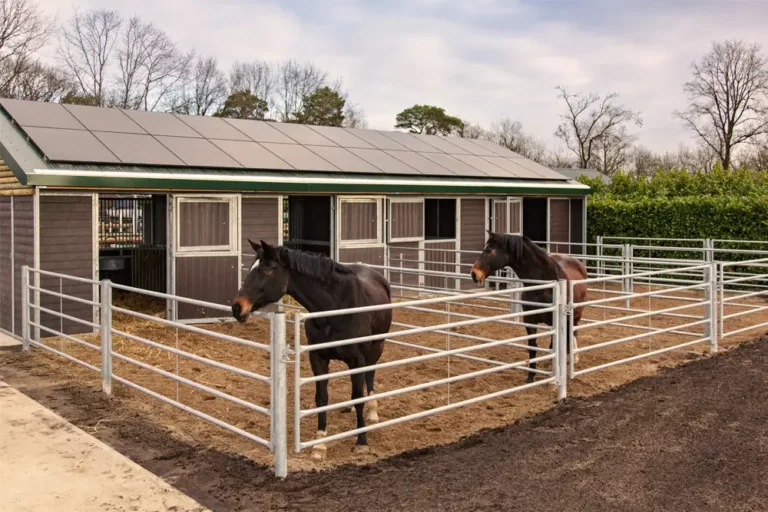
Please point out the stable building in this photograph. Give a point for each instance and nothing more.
(166, 202)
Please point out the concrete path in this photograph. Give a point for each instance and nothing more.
(8, 342)
(48, 464)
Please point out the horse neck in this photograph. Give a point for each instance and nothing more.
(534, 266)
(312, 293)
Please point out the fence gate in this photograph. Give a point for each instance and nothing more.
(206, 252)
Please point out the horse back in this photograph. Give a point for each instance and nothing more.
(575, 270)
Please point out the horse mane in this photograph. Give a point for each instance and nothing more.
(313, 265)
(518, 245)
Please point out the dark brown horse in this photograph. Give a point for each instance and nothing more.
(529, 261)
(320, 284)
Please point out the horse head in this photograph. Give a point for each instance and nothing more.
(499, 252)
(266, 282)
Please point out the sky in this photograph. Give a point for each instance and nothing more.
(479, 59)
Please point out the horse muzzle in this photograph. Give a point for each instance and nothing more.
(241, 309)
(478, 275)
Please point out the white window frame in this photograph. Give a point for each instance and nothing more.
(509, 201)
(233, 248)
(372, 242)
(391, 201)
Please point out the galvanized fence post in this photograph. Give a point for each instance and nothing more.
(713, 306)
(279, 383)
(627, 283)
(562, 308)
(25, 308)
(106, 336)
(599, 253)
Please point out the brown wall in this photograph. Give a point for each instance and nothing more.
(369, 255)
(66, 247)
(23, 247)
(405, 255)
(208, 278)
(259, 222)
(440, 261)
(6, 304)
(472, 234)
(559, 225)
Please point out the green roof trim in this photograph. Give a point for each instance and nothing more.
(172, 179)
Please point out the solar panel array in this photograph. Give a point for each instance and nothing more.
(82, 134)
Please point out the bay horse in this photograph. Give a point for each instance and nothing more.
(321, 284)
(529, 261)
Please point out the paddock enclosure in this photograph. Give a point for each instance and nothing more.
(125, 234)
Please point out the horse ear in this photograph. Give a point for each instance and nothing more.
(492, 235)
(269, 251)
(256, 247)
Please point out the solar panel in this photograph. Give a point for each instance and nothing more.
(198, 152)
(300, 157)
(421, 164)
(514, 169)
(457, 167)
(470, 146)
(410, 142)
(343, 159)
(340, 136)
(133, 148)
(213, 128)
(71, 145)
(497, 149)
(157, 123)
(251, 155)
(104, 119)
(303, 134)
(483, 165)
(41, 114)
(388, 164)
(259, 131)
(376, 139)
(441, 143)
(545, 172)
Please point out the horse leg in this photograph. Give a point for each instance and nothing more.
(320, 367)
(357, 392)
(531, 353)
(371, 358)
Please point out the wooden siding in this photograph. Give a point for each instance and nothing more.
(515, 216)
(66, 247)
(204, 223)
(358, 221)
(6, 270)
(404, 255)
(500, 216)
(472, 235)
(406, 220)
(559, 225)
(440, 261)
(577, 225)
(23, 248)
(208, 278)
(259, 221)
(369, 255)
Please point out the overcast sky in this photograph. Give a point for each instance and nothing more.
(479, 59)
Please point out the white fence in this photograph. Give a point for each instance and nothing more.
(655, 305)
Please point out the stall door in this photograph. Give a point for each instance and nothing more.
(405, 236)
(506, 216)
(559, 225)
(360, 222)
(206, 253)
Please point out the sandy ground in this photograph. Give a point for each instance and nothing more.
(434, 430)
(47, 464)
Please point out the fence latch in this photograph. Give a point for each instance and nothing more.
(566, 309)
(285, 356)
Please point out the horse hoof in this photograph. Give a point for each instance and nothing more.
(361, 448)
(373, 417)
(318, 452)
(529, 379)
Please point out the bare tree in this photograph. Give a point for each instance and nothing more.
(130, 57)
(295, 81)
(728, 97)
(613, 150)
(38, 82)
(165, 68)
(589, 120)
(23, 31)
(469, 130)
(87, 48)
(510, 134)
(257, 77)
(209, 87)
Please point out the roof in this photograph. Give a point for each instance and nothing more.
(50, 144)
(589, 173)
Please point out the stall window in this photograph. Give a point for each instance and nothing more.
(439, 219)
(360, 221)
(206, 225)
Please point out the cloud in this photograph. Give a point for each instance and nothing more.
(480, 60)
